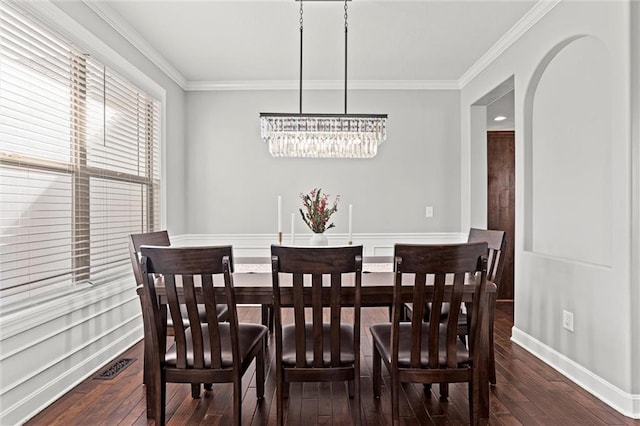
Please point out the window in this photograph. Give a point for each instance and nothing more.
(79, 164)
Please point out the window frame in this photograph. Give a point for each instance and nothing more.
(81, 39)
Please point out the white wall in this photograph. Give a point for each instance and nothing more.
(634, 79)
(233, 182)
(574, 212)
(51, 347)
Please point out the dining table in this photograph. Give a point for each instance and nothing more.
(377, 287)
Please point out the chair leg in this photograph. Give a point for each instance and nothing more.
(377, 373)
(267, 316)
(237, 400)
(271, 319)
(356, 400)
(352, 387)
(463, 339)
(444, 392)
(208, 386)
(492, 359)
(260, 371)
(160, 411)
(156, 398)
(280, 400)
(474, 416)
(395, 399)
(195, 390)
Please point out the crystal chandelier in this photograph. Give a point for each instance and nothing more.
(323, 135)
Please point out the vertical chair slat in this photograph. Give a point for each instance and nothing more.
(299, 319)
(233, 322)
(194, 326)
(335, 318)
(439, 281)
(317, 323)
(176, 317)
(452, 319)
(397, 301)
(416, 329)
(356, 327)
(210, 303)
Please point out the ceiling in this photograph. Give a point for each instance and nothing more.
(419, 43)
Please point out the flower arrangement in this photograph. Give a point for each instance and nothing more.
(317, 209)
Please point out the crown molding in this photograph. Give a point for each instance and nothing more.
(112, 18)
(537, 12)
(322, 85)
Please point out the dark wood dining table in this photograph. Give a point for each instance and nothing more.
(256, 288)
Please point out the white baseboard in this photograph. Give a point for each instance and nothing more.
(56, 346)
(626, 403)
(257, 245)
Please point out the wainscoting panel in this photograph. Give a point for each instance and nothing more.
(258, 245)
(48, 349)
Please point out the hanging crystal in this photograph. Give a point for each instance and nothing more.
(323, 135)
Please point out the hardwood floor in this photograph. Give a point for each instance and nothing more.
(528, 393)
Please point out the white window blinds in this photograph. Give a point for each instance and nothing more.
(79, 164)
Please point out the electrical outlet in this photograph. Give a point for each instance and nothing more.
(567, 320)
(429, 211)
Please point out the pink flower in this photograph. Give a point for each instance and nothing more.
(317, 214)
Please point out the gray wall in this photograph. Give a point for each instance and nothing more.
(576, 222)
(233, 182)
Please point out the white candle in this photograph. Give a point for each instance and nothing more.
(293, 216)
(350, 221)
(279, 213)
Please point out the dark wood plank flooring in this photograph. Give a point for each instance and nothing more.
(528, 393)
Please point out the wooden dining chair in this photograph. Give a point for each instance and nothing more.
(319, 348)
(422, 351)
(161, 238)
(497, 243)
(212, 351)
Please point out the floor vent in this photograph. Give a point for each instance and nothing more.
(115, 368)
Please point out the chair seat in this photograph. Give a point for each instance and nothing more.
(382, 336)
(346, 345)
(444, 312)
(249, 335)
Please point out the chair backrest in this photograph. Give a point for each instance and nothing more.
(319, 267)
(158, 238)
(497, 242)
(189, 276)
(447, 268)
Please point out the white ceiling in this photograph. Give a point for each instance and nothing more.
(208, 43)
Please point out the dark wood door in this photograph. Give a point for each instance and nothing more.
(501, 197)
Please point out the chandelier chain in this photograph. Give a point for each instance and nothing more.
(346, 31)
(346, 15)
(300, 87)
